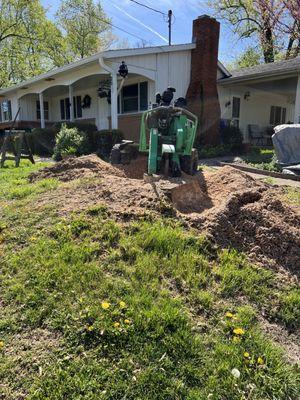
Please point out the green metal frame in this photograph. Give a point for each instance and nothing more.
(181, 134)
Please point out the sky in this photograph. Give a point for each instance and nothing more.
(152, 27)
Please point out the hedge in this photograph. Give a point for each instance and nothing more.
(104, 140)
(42, 141)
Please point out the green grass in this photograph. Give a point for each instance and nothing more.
(293, 195)
(14, 183)
(261, 158)
(165, 333)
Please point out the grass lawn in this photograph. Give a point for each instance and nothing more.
(261, 158)
(97, 308)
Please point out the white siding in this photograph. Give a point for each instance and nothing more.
(255, 110)
(173, 69)
(87, 113)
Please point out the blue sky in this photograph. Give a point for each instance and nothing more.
(152, 27)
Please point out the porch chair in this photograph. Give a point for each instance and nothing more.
(256, 135)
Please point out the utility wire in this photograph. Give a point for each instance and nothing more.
(121, 29)
(149, 8)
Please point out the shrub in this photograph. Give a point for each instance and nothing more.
(70, 141)
(85, 127)
(104, 140)
(88, 128)
(232, 143)
(214, 151)
(1, 137)
(42, 141)
(232, 136)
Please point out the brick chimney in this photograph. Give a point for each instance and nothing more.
(202, 94)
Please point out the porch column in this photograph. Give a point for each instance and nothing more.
(297, 103)
(71, 92)
(114, 93)
(41, 100)
(114, 101)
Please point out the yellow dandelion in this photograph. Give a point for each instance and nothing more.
(105, 305)
(246, 354)
(1, 344)
(260, 361)
(238, 331)
(33, 238)
(117, 325)
(127, 321)
(122, 304)
(236, 339)
(90, 328)
(229, 315)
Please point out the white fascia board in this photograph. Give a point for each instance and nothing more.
(259, 76)
(147, 50)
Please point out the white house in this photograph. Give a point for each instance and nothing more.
(263, 96)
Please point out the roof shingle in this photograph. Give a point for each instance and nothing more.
(278, 67)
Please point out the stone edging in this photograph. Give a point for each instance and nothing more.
(242, 167)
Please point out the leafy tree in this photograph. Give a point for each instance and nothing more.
(289, 24)
(29, 43)
(86, 26)
(275, 23)
(250, 58)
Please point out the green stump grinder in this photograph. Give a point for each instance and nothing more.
(167, 135)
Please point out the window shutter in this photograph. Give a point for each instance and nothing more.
(67, 104)
(283, 119)
(62, 109)
(143, 96)
(9, 110)
(38, 110)
(272, 115)
(78, 107)
(74, 108)
(277, 115)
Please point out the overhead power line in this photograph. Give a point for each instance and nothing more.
(169, 16)
(121, 29)
(149, 8)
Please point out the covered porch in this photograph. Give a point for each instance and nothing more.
(97, 96)
(91, 103)
(256, 105)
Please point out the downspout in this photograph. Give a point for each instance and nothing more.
(114, 93)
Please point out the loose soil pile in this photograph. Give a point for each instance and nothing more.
(230, 206)
(89, 166)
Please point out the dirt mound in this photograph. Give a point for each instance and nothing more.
(250, 216)
(88, 166)
(232, 207)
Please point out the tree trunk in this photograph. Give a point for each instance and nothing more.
(268, 44)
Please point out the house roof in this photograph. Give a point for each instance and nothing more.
(279, 68)
(108, 54)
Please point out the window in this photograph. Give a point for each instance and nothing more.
(277, 115)
(6, 109)
(134, 98)
(65, 108)
(46, 110)
(236, 105)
